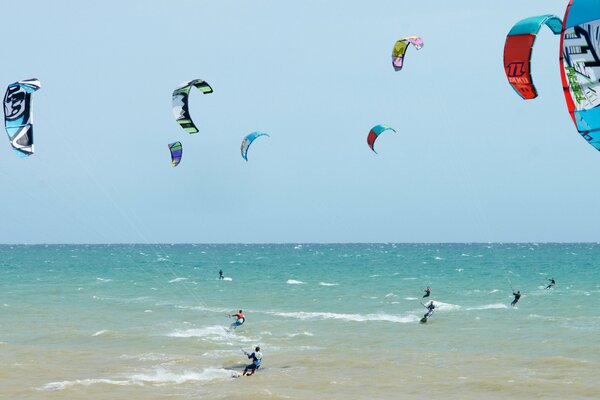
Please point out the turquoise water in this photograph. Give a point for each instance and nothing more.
(334, 321)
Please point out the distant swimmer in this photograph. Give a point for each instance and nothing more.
(221, 274)
(552, 283)
(256, 358)
(430, 307)
(517, 297)
(239, 319)
(427, 292)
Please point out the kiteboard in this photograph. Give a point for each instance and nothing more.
(423, 320)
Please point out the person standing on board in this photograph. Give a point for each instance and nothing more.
(240, 319)
(552, 283)
(427, 292)
(517, 297)
(221, 274)
(256, 358)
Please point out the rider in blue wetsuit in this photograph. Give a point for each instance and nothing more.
(256, 358)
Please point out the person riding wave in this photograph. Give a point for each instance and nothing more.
(430, 307)
(552, 283)
(240, 319)
(427, 292)
(256, 358)
(517, 297)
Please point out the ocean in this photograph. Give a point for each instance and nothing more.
(334, 321)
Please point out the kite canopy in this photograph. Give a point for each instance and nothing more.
(374, 134)
(18, 118)
(518, 48)
(580, 72)
(400, 50)
(176, 152)
(180, 103)
(248, 141)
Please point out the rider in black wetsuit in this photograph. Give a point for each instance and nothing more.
(430, 307)
(552, 283)
(427, 292)
(517, 297)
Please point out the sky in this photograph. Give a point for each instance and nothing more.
(470, 162)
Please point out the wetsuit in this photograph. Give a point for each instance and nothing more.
(430, 309)
(240, 319)
(517, 297)
(221, 274)
(552, 283)
(427, 292)
(256, 359)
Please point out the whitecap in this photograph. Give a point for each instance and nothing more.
(438, 258)
(347, 317)
(300, 334)
(177, 280)
(227, 278)
(102, 332)
(103, 280)
(488, 307)
(410, 298)
(55, 386)
(163, 376)
(294, 282)
(328, 284)
(216, 333)
(446, 306)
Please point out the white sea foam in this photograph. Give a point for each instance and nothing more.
(55, 386)
(157, 377)
(164, 376)
(145, 357)
(494, 291)
(409, 279)
(103, 280)
(488, 307)
(438, 258)
(216, 333)
(102, 332)
(328, 284)
(410, 298)
(299, 334)
(446, 306)
(346, 317)
(227, 278)
(294, 282)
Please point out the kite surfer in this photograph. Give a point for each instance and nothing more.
(427, 292)
(240, 319)
(430, 307)
(552, 283)
(221, 274)
(256, 358)
(517, 297)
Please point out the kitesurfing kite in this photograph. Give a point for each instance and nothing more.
(580, 72)
(180, 103)
(400, 50)
(18, 118)
(248, 141)
(374, 134)
(176, 151)
(517, 52)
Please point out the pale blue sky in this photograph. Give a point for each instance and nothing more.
(471, 161)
